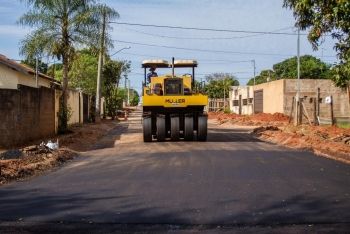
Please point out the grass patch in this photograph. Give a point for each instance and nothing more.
(343, 125)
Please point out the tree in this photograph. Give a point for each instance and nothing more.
(84, 71)
(263, 77)
(219, 84)
(134, 97)
(31, 62)
(327, 17)
(310, 68)
(60, 26)
(55, 71)
(112, 73)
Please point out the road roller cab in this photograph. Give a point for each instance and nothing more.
(172, 107)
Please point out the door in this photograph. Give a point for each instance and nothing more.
(258, 101)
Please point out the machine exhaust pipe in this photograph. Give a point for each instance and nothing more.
(173, 67)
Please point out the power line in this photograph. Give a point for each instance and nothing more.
(202, 38)
(204, 29)
(210, 51)
(203, 50)
(198, 59)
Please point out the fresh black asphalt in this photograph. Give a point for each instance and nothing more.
(231, 182)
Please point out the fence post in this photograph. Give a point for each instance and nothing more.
(332, 111)
(300, 112)
(318, 102)
(315, 112)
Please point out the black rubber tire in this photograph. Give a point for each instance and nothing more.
(147, 129)
(175, 128)
(188, 128)
(202, 128)
(161, 128)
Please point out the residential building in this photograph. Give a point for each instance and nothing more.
(13, 74)
(277, 96)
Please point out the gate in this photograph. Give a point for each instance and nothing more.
(258, 101)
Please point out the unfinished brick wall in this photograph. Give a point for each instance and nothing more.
(309, 88)
(26, 114)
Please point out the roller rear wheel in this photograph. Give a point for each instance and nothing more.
(161, 132)
(147, 129)
(188, 128)
(202, 128)
(175, 128)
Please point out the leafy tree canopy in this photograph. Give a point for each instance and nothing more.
(134, 97)
(327, 17)
(263, 77)
(31, 62)
(219, 84)
(310, 68)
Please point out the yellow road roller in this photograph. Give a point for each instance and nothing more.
(172, 107)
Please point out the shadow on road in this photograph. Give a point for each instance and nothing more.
(230, 135)
(67, 214)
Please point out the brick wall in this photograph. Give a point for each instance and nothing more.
(26, 114)
(309, 88)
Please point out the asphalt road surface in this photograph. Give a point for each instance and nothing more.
(232, 182)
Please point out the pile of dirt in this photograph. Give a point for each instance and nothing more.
(31, 161)
(26, 161)
(82, 138)
(255, 120)
(328, 141)
(331, 142)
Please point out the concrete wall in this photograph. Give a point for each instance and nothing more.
(308, 90)
(278, 97)
(74, 105)
(26, 114)
(9, 79)
(273, 96)
(245, 103)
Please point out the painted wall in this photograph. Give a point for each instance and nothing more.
(273, 96)
(246, 92)
(9, 79)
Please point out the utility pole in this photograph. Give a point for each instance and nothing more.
(224, 83)
(253, 61)
(125, 101)
(99, 69)
(297, 99)
(128, 92)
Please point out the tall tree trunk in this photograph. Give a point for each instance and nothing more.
(64, 111)
(348, 91)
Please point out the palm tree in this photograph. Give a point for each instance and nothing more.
(60, 26)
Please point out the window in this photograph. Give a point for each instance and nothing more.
(235, 102)
(173, 86)
(245, 102)
(250, 100)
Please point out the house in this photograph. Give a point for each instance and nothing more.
(277, 96)
(241, 100)
(30, 107)
(13, 74)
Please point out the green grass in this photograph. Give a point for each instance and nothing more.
(343, 125)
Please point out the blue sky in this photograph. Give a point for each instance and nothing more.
(253, 15)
